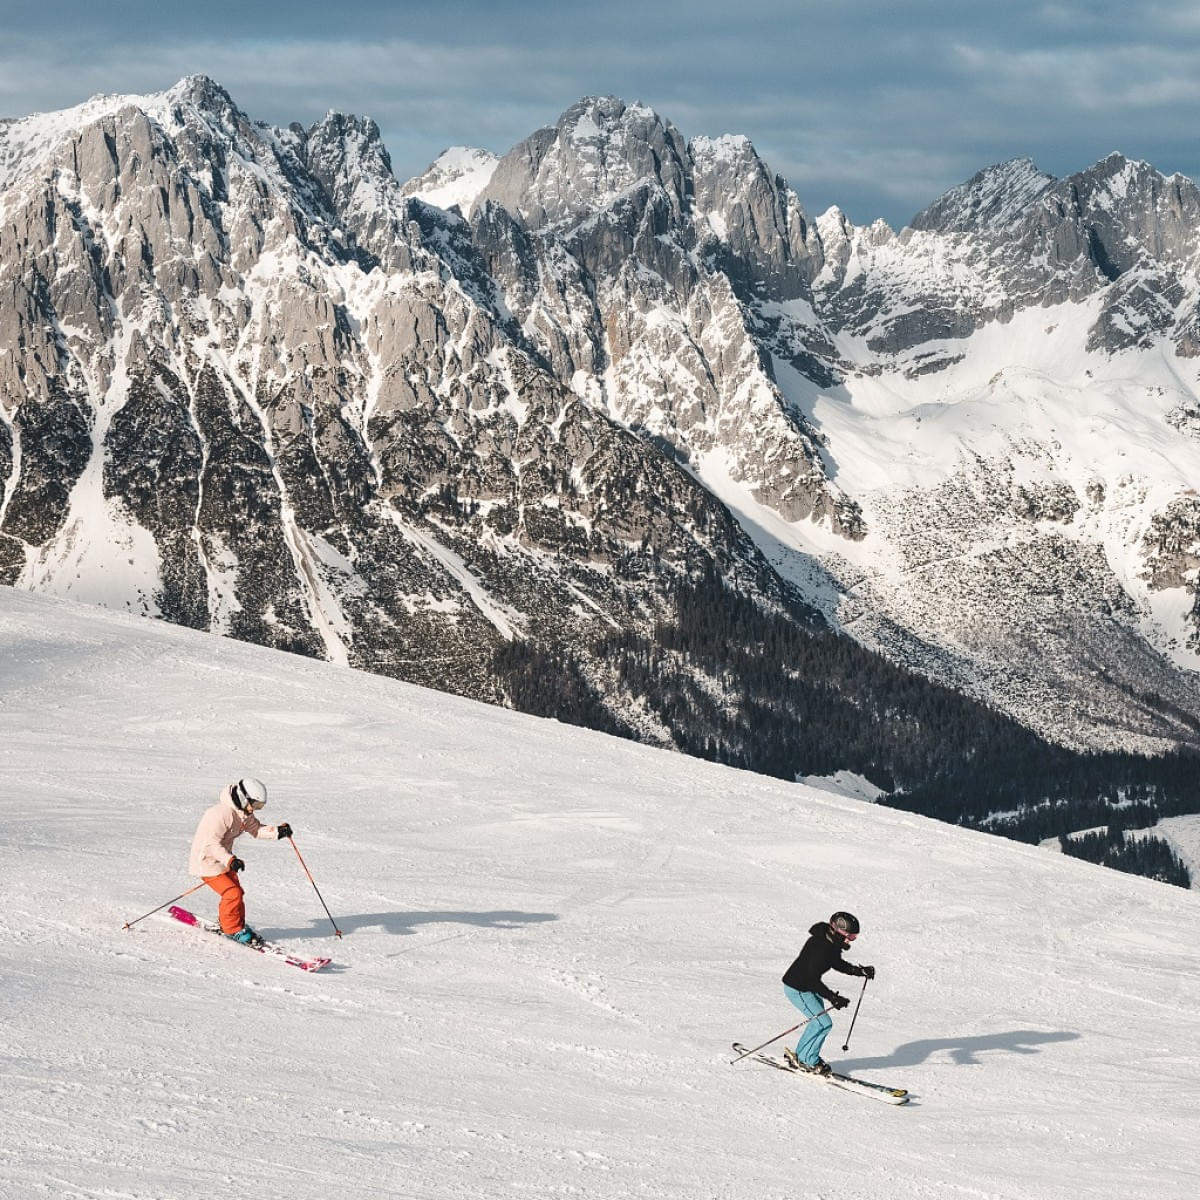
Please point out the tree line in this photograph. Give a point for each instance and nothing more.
(1147, 855)
(775, 690)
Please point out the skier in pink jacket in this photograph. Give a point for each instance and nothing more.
(213, 858)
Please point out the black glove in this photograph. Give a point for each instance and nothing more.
(867, 972)
(236, 864)
(838, 1001)
(285, 830)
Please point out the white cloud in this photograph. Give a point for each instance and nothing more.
(1113, 80)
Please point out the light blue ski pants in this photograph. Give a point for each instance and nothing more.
(812, 1035)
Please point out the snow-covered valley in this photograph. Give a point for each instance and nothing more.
(551, 938)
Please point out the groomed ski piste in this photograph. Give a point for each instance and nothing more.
(551, 939)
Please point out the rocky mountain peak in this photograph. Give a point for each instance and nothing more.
(346, 153)
(1135, 214)
(202, 116)
(204, 94)
(766, 244)
(998, 197)
(598, 150)
(358, 137)
(728, 148)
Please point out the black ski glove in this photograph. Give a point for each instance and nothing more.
(285, 830)
(838, 1002)
(867, 972)
(236, 864)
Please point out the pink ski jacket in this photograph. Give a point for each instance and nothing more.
(212, 847)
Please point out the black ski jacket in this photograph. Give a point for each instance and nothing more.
(822, 952)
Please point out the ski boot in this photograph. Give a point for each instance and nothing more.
(246, 936)
(820, 1067)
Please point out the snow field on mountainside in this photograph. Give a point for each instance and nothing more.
(551, 938)
(1183, 836)
(456, 176)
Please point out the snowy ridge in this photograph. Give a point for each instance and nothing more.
(455, 177)
(996, 199)
(27, 142)
(551, 938)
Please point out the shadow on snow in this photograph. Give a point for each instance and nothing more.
(410, 922)
(962, 1050)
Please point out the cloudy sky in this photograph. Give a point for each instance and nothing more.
(875, 105)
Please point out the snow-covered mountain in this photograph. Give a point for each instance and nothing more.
(250, 386)
(551, 939)
(251, 383)
(454, 179)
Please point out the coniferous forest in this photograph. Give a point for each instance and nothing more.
(778, 692)
(1149, 856)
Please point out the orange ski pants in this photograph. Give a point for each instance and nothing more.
(233, 900)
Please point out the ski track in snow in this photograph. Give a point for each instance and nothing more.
(551, 939)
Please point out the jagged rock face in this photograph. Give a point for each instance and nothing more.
(1120, 229)
(344, 153)
(599, 150)
(998, 198)
(664, 245)
(304, 387)
(315, 410)
(1136, 216)
(760, 235)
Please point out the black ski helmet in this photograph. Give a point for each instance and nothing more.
(844, 923)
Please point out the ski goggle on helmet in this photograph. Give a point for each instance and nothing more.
(249, 795)
(846, 924)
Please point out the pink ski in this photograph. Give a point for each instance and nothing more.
(305, 964)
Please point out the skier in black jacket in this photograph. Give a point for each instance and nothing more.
(803, 987)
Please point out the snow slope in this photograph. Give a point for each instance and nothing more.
(1183, 836)
(1051, 413)
(456, 176)
(551, 939)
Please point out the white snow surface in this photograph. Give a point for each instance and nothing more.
(551, 938)
(845, 783)
(1183, 836)
(456, 176)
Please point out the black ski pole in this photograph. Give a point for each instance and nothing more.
(855, 1017)
(130, 924)
(315, 888)
(777, 1037)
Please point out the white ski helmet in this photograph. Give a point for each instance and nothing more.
(248, 794)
